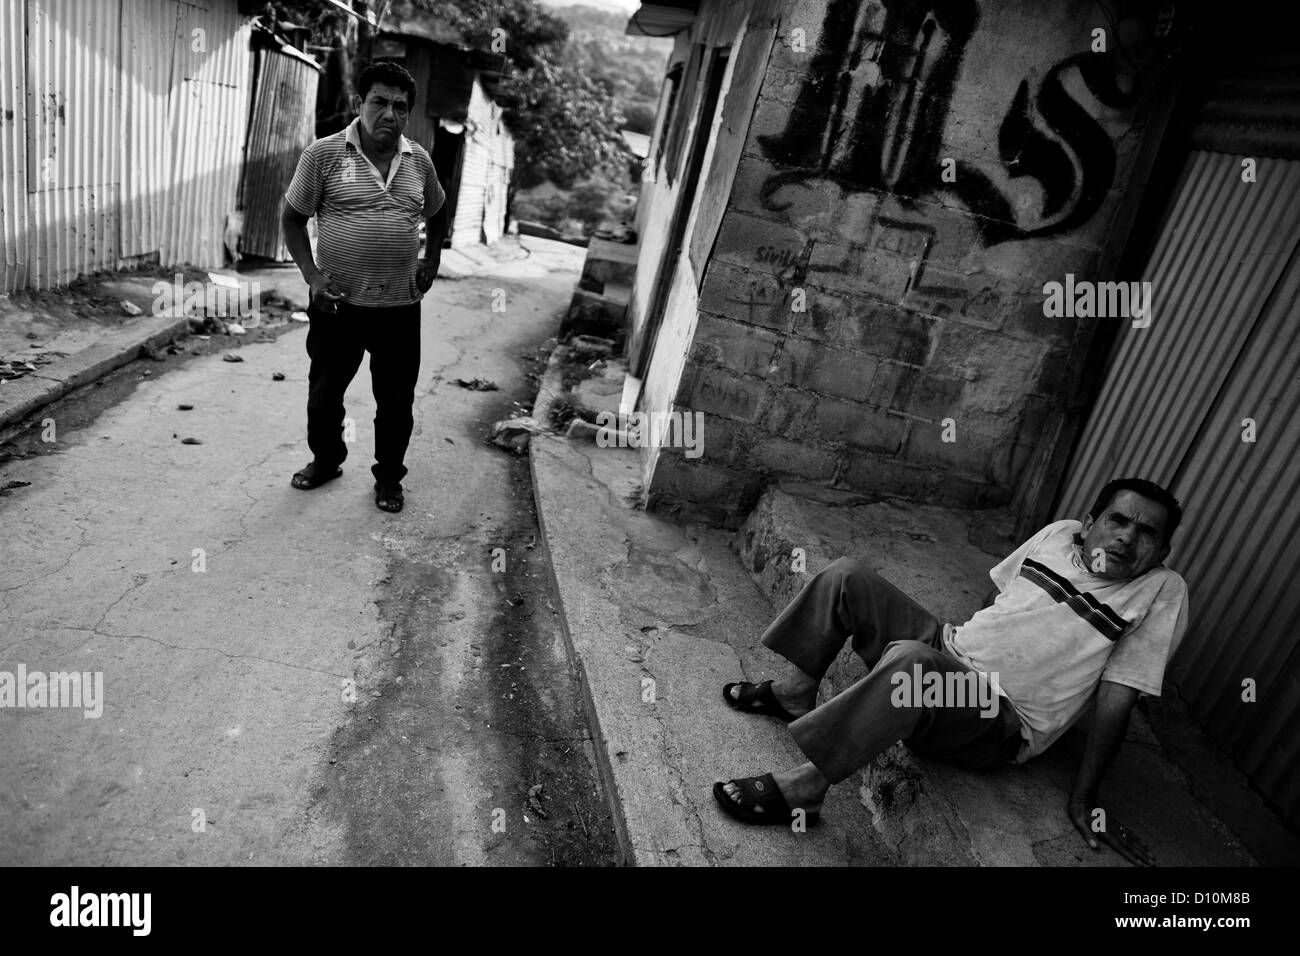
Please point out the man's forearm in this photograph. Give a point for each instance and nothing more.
(435, 230)
(299, 246)
(1105, 735)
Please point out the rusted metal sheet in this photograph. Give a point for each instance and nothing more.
(13, 146)
(148, 34)
(496, 180)
(1223, 348)
(467, 229)
(123, 131)
(282, 125)
(208, 117)
(72, 164)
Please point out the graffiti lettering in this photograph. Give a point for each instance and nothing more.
(873, 114)
(781, 257)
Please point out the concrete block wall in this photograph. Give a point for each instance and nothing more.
(876, 284)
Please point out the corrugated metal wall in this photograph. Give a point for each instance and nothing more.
(13, 146)
(208, 118)
(501, 161)
(1223, 346)
(148, 32)
(72, 167)
(127, 133)
(283, 124)
(487, 160)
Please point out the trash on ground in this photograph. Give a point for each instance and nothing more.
(277, 376)
(535, 800)
(190, 441)
(10, 485)
(231, 357)
(476, 384)
(234, 328)
(130, 308)
(10, 370)
(300, 316)
(513, 433)
(185, 408)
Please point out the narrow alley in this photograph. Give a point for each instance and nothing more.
(296, 677)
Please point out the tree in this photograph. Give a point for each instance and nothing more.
(565, 123)
(558, 104)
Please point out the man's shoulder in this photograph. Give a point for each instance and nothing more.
(1057, 532)
(327, 145)
(420, 155)
(1166, 583)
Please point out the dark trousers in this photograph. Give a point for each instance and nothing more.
(893, 635)
(335, 345)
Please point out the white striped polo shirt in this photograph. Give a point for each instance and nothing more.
(1056, 629)
(367, 230)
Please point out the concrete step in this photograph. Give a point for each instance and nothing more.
(929, 813)
(592, 313)
(608, 262)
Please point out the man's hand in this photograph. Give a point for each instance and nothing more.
(1113, 704)
(426, 270)
(1108, 831)
(325, 295)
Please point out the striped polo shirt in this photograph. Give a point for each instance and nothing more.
(1056, 629)
(367, 229)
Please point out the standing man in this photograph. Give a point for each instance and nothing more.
(368, 187)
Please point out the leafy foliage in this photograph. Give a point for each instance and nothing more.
(561, 110)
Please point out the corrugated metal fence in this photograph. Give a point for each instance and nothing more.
(283, 124)
(487, 161)
(1223, 347)
(123, 133)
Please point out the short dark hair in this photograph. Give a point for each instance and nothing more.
(390, 73)
(1147, 489)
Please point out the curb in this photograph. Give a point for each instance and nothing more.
(37, 390)
(548, 388)
(643, 598)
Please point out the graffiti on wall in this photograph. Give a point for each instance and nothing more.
(872, 115)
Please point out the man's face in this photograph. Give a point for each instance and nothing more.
(1130, 532)
(383, 113)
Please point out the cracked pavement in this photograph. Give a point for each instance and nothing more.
(296, 677)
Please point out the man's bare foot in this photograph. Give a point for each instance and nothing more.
(804, 788)
(797, 693)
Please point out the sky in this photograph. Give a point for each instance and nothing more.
(624, 6)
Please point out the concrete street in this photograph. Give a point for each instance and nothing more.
(297, 677)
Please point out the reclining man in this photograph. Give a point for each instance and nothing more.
(1083, 612)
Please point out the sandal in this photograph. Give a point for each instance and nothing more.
(757, 699)
(761, 792)
(388, 496)
(314, 475)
